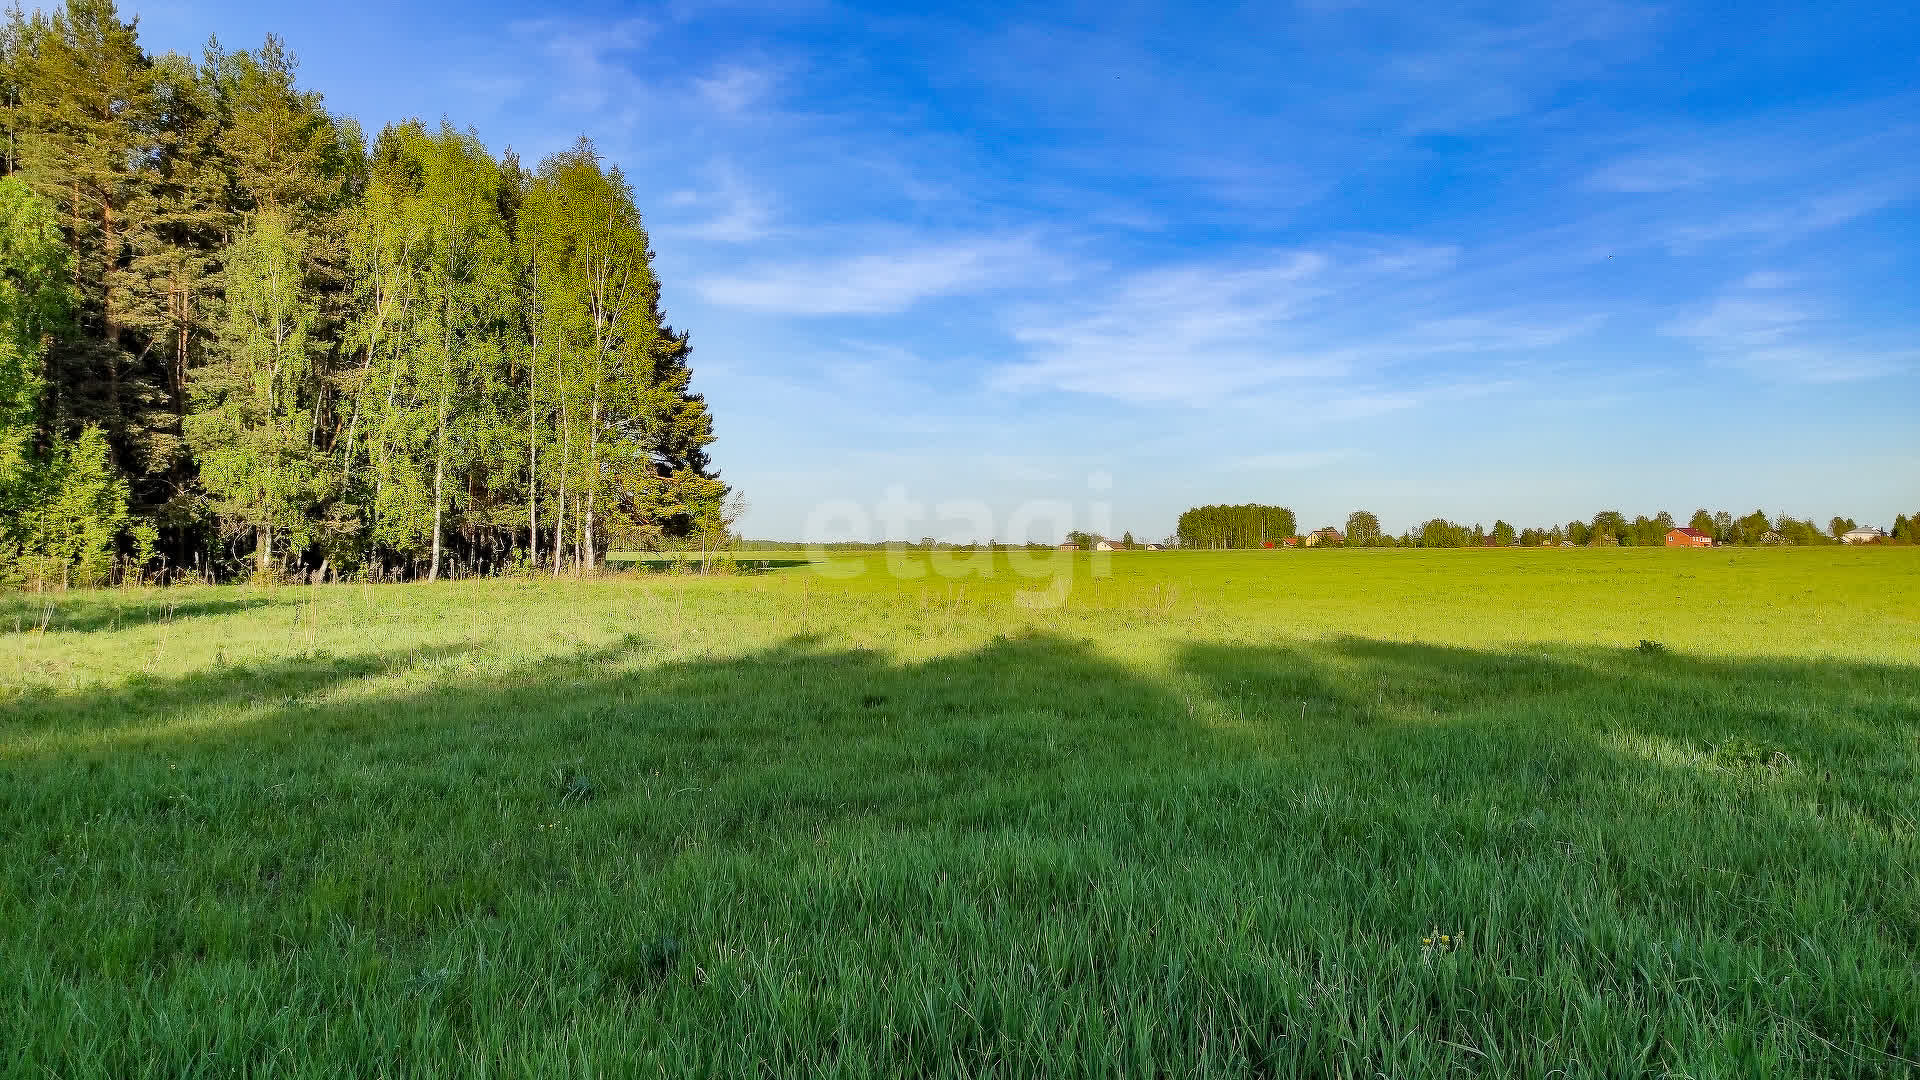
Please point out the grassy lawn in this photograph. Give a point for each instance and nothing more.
(1342, 813)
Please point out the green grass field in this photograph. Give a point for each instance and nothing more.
(1344, 813)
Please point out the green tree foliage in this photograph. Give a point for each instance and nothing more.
(1250, 525)
(283, 150)
(1503, 534)
(62, 514)
(1608, 527)
(436, 401)
(1799, 531)
(179, 224)
(35, 303)
(607, 377)
(1441, 533)
(1363, 529)
(61, 500)
(320, 356)
(85, 127)
(254, 426)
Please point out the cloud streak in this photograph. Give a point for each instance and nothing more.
(1325, 322)
(1781, 338)
(878, 283)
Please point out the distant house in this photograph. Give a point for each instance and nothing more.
(1150, 547)
(1107, 545)
(1772, 537)
(1328, 535)
(1068, 546)
(1865, 534)
(1688, 538)
(1291, 541)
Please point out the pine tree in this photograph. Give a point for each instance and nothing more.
(183, 222)
(86, 126)
(61, 503)
(283, 148)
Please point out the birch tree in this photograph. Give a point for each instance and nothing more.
(252, 428)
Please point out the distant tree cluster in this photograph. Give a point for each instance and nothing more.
(235, 336)
(1606, 528)
(1250, 525)
(1612, 528)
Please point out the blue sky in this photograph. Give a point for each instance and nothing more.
(1525, 261)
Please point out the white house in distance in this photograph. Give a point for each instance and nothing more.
(1107, 545)
(1865, 534)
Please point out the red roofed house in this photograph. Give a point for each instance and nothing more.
(1688, 538)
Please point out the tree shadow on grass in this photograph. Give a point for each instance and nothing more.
(1817, 730)
(1649, 691)
(142, 711)
(90, 610)
(1268, 826)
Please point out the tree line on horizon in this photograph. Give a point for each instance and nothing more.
(1244, 527)
(236, 336)
(1248, 525)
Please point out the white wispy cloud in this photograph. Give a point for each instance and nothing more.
(1784, 338)
(1499, 332)
(581, 56)
(735, 211)
(1480, 69)
(1743, 322)
(1653, 172)
(1208, 334)
(1184, 333)
(733, 87)
(1788, 218)
(882, 282)
(1767, 279)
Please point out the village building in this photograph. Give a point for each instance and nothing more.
(1685, 537)
(1865, 534)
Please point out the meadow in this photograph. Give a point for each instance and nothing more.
(1333, 813)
